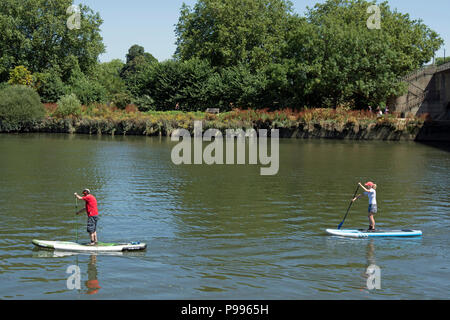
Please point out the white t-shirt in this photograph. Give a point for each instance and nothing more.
(372, 194)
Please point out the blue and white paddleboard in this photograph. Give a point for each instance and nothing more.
(374, 234)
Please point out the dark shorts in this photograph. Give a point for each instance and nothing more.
(92, 224)
(373, 208)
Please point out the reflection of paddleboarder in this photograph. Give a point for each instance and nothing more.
(372, 194)
(92, 212)
(92, 284)
(373, 272)
(371, 259)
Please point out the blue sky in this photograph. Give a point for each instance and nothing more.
(151, 23)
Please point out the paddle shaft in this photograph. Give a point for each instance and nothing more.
(348, 210)
(76, 224)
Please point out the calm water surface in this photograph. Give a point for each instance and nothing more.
(222, 232)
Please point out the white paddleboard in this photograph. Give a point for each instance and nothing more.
(374, 234)
(100, 247)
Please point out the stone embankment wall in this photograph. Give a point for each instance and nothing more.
(428, 93)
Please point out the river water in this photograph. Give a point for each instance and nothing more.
(222, 231)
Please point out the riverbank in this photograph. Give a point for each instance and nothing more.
(307, 124)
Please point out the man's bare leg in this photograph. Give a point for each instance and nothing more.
(93, 238)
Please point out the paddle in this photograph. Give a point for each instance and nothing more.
(351, 202)
(76, 223)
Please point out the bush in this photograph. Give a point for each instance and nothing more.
(86, 89)
(144, 103)
(20, 107)
(121, 100)
(20, 76)
(49, 86)
(68, 105)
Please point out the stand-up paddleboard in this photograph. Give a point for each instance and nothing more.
(100, 247)
(374, 234)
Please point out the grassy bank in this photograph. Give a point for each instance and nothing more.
(337, 123)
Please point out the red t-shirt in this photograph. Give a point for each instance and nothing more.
(91, 205)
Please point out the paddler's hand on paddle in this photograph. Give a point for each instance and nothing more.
(80, 211)
(77, 196)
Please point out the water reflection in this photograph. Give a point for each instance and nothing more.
(371, 259)
(92, 284)
(372, 272)
(441, 145)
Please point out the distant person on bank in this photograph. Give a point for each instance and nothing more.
(379, 112)
(371, 192)
(92, 213)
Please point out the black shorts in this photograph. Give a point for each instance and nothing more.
(92, 224)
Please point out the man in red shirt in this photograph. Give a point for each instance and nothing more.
(92, 213)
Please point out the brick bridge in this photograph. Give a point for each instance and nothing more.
(428, 92)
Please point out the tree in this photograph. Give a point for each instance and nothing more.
(237, 87)
(175, 83)
(108, 75)
(359, 65)
(35, 35)
(88, 90)
(441, 60)
(233, 32)
(302, 62)
(138, 64)
(137, 51)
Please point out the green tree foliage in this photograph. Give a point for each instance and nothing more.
(329, 57)
(177, 84)
(193, 85)
(441, 60)
(35, 34)
(20, 76)
(233, 32)
(138, 64)
(108, 75)
(20, 107)
(136, 57)
(87, 89)
(236, 86)
(359, 65)
(49, 85)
